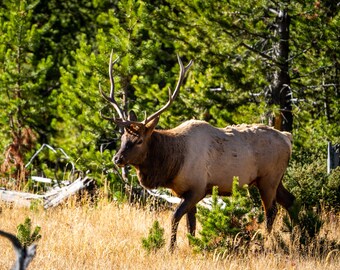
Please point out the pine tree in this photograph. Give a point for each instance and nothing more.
(256, 53)
(141, 78)
(230, 226)
(22, 83)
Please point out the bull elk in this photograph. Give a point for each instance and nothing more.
(193, 157)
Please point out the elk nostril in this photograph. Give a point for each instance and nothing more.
(116, 159)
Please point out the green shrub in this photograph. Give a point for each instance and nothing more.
(155, 239)
(312, 186)
(26, 235)
(304, 236)
(231, 226)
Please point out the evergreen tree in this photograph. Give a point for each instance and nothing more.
(231, 226)
(254, 50)
(82, 131)
(54, 54)
(22, 84)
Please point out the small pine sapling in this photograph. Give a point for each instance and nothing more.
(26, 235)
(155, 239)
(231, 226)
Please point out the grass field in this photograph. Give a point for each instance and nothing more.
(109, 235)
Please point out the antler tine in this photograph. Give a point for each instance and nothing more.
(172, 96)
(112, 88)
(121, 120)
(106, 117)
(111, 98)
(183, 71)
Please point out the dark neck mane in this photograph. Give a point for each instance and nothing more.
(163, 161)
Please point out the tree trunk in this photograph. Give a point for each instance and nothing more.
(280, 85)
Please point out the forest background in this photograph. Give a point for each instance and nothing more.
(272, 62)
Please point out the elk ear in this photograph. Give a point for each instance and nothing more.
(132, 116)
(152, 124)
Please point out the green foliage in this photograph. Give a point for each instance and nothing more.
(307, 226)
(155, 239)
(310, 137)
(23, 73)
(305, 236)
(229, 227)
(23, 82)
(26, 235)
(315, 191)
(311, 184)
(310, 225)
(54, 53)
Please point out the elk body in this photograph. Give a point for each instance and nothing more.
(192, 158)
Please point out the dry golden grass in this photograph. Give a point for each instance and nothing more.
(108, 236)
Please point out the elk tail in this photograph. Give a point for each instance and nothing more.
(288, 136)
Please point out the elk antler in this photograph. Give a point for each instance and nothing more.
(24, 254)
(172, 96)
(122, 121)
(111, 98)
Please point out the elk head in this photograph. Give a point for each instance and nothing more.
(136, 136)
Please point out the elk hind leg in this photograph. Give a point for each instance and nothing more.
(191, 220)
(284, 197)
(268, 194)
(287, 200)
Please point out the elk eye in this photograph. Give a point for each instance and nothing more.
(139, 142)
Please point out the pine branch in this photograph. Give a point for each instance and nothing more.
(266, 56)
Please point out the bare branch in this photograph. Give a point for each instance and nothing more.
(259, 53)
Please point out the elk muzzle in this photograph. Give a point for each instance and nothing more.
(119, 160)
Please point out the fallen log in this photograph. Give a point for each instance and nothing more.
(205, 202)
(65, 192)
(52, 198)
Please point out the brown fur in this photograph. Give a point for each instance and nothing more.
(163, 161)
(195, 156)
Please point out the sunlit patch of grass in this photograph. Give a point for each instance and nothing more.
(108, 236)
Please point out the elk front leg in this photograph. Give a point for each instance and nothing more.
(187, 206)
